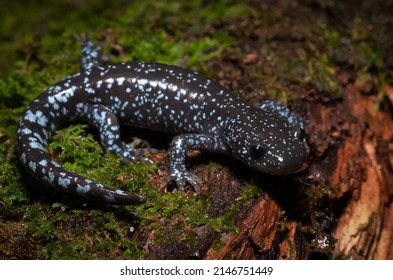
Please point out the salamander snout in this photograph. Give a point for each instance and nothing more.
(276, 158)
(275, 147)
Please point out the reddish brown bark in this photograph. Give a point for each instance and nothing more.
(258, 229)
(365, 229)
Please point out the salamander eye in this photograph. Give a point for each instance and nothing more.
(257, 152)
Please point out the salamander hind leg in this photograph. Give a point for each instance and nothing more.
(91, 54)
(106, 122)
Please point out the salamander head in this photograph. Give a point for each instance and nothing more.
(267, 142)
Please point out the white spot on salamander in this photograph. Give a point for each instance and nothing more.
(37, 117)
(82, 188)
(43, 163)
(64, 182)
(120, 81)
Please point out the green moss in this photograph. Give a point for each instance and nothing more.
(40, 223)
(314, 67)
(11, 191)
(64, 251)
(176, 209)
(78, 151)
(212, 167)
(58, 234)
(227, 222)
(250, 192)
(157, 31)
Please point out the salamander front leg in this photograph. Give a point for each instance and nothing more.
(180, 145)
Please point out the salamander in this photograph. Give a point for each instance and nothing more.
(197, 111)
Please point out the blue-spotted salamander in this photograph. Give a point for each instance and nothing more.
(202, 114)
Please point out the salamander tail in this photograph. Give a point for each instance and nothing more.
(33, 154)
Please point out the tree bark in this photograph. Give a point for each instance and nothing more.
(365, 229)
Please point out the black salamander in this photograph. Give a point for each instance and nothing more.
(201, 114)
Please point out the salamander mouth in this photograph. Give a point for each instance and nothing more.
(285, 170)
